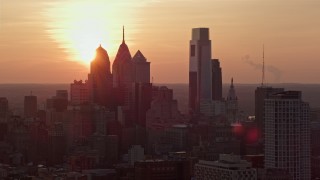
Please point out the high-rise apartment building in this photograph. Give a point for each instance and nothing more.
(287, 134)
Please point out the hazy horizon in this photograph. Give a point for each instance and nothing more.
(245, 92)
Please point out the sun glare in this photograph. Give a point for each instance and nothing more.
(79, 27)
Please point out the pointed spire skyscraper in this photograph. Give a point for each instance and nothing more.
(121, 67)
(122, 72)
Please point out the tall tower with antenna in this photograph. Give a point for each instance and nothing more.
(263, 68)
(261, 93)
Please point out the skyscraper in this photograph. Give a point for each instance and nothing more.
(141, 68)
(200, 69)
(262, 93)
(100, 79)
(122, 73)
(287, 134)
(216, 80)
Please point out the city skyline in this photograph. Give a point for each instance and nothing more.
(147, 97)
(54, 46)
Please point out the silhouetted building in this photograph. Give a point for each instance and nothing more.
(100, 118)
(232, 105)
(4, 115)
(100, 79)
(177, 137)
(163, 170)
(216, 80)
(57, 144)
(141, 68)
(62, 94)
(315, 114)
(315, 140)
(141, 89)
(112, 152)
(221, 138)
(4, 107)
(78, 122)
(127, 138)
(213, 109)
(122, 69)
(287, 134)
(59, 102)
(200, 69)
(30, 106)
(163, 112)
(79, 92)
(262, 93)
(315, 167)
(38, 141)
(140, 102)
(19, 136)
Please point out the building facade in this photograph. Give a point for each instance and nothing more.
(227, 167)
(287, 134)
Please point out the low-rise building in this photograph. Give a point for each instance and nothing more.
(227, 167)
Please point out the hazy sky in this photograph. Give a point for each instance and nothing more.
(46, 42)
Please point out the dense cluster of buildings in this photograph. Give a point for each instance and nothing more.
(118, 125)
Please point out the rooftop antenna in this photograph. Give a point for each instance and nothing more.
(122, 34)
(263, 68)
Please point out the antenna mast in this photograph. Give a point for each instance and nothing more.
(263, 71)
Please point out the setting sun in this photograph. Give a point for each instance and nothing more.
(79, 27)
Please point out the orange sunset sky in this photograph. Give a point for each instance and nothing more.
(46, 41)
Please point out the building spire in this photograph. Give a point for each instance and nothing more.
(263, 70)
(123, 34)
